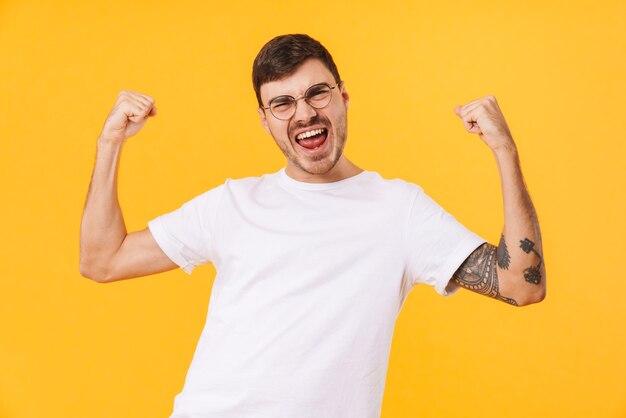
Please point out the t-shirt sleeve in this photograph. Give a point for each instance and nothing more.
(186, 235)
(437, 244)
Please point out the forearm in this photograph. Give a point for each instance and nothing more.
(520, 254)
(102, 228)
(518, 274)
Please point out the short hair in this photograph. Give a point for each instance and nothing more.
(281, 57)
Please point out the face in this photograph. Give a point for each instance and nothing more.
(312, 139)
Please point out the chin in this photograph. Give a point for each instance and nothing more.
(321, 166)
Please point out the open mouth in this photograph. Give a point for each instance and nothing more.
(312, 139)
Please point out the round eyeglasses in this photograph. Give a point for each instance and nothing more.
(318, 96)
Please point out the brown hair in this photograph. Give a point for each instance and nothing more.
(283, 55)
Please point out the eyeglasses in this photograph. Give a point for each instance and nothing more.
(318, 96)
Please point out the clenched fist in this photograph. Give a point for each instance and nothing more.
(129, 114)
(484, 117)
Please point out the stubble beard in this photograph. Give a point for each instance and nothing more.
(324, 163)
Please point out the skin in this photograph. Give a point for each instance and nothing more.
(107, 252)
(324, 167)
(513, 272)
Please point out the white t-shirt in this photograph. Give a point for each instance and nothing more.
(310, 280)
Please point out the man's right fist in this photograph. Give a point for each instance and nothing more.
(130, 113)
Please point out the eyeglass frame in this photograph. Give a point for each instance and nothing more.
(295, 100)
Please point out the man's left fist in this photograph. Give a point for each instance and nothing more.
(484, 117)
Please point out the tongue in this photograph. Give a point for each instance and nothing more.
(312, 142)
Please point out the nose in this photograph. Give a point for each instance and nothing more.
(304, 111)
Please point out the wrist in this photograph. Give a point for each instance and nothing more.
(508, 150)
(105, 143)
(108, 150)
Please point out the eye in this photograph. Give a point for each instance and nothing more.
(281, 103)
(318, 92)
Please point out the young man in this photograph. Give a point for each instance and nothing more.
(313, 262)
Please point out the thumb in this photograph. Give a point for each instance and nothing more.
(457, 110)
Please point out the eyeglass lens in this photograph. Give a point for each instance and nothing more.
(317, 96)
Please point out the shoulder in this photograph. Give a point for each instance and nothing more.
(394, 187)
(410, 195)
(250, 184)
(234, 184)
(213, 195)
(250, 181)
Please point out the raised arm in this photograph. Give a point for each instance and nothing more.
(107, 252)
(514, 271)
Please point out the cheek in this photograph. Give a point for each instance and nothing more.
(339, 121)
(279, 133)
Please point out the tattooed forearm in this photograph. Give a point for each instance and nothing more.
(532, 274)
(502, 254)
(478, 273)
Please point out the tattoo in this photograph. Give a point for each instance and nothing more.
(478, 273)
(527, 246)
(533, 273)
(502, 254)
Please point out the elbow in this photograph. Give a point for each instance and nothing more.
(526, 291)
(89, 271)
(541, 295)
(531, 298)
(538, 293)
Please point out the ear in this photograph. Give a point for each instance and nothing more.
(344, 94)
(264, 120)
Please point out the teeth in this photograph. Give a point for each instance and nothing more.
(309, 134)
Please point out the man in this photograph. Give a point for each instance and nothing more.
(313, 262)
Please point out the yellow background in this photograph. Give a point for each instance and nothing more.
(70, 347)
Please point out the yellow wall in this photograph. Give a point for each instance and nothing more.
(72, 348)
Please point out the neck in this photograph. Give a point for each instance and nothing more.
(342, 170)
